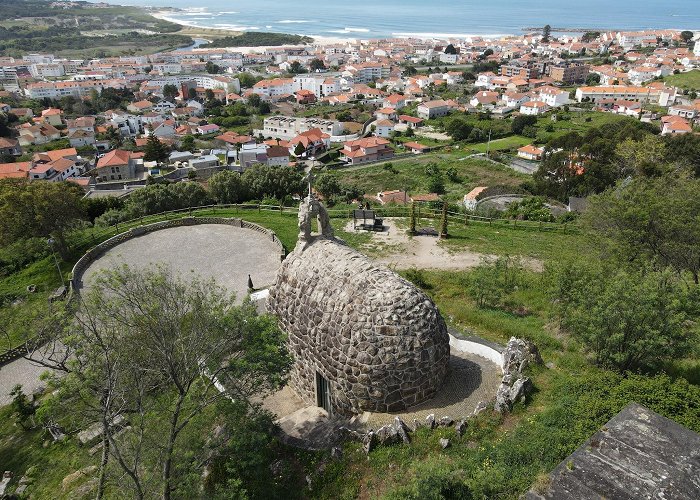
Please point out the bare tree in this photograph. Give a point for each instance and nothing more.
(145, 342)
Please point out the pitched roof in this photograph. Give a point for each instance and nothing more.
(114, 158)
(15, 170)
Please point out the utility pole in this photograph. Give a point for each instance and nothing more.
(488, 146)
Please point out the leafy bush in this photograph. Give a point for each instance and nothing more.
(491, 282)
(532, 208)
(629, 320)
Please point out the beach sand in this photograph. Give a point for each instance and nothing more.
(197, 31)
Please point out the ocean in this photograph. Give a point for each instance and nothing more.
(428, 18)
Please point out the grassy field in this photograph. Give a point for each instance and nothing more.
(502, 457)
(497, 456)
(505, 144)
(20, 450)
(688, 80)
(409, 174)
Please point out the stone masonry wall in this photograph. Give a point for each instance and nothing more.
(379, 341)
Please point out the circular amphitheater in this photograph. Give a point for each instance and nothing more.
(227, 250)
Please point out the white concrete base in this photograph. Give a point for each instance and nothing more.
(479, 349)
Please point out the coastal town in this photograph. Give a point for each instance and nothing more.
(239, 263)
(302, 96)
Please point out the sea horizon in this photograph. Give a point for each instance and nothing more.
(368, 19)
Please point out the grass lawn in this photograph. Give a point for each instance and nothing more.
(507, 143)
(497, 457)
(409, 174)
(509, 240)
(688, 80)
(502, 457)
(579, 122)
(20, 450)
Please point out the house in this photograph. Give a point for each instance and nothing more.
(116, 165)
(366, 150)
(163, 107)
(472, 197)
(85, 123)
(81, 138)
(395, 196)
(18, 170)
(385, 114)
(530, 152)
(304, 96)
(38, 134)
(43, 172)
(484, 98)
(383, 128)
(140, 106)
(309, 143)
(208, 129)
(234, 139)
(433, 109)
(204, 162)
(52, 116)
(410, 121)
(163, 129)
(10, 147)
(288, 127)
(396, 101)
(56, 154)
(675, 125)
(416, 147)
(533, 108)
(277, 156)
(552, 96)
(513, 100)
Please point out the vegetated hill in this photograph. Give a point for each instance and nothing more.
(255, 39)
(36, 25)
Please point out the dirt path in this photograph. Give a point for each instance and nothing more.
(400, 251)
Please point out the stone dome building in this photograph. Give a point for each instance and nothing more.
(362, 337)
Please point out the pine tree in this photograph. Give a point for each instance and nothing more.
(155, 150)
(546, 33)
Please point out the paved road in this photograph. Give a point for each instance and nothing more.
(22, 372)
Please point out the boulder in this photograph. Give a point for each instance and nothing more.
(430, 421)
(480, 408)
(520, 389)
(444, 443)
(461, 427)
(402, 430)
(446, 421)
(71, 478)
(370, 441)
(336, 453)
(517, 356)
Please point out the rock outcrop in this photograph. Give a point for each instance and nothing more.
(518, 355)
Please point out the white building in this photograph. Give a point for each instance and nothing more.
(534, 108)
(320, 85)
(383, 128)
(288, 127)
(433, 109)
(553, 97)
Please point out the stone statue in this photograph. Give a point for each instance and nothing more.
(309, 208)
